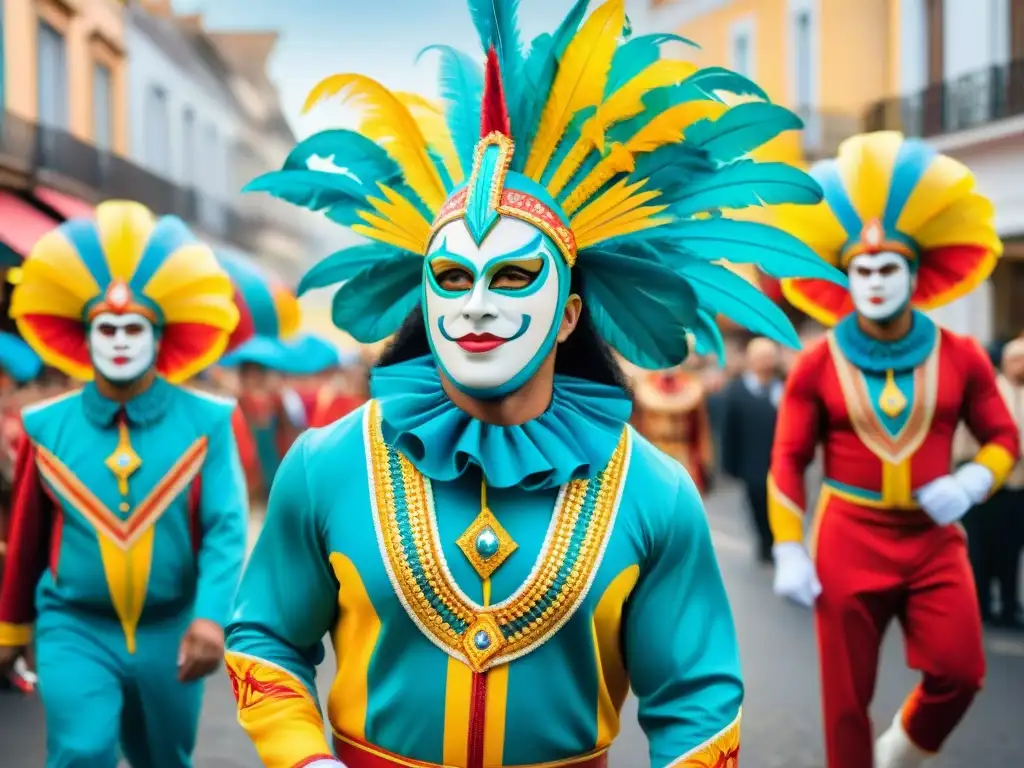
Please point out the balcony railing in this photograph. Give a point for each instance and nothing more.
(36, 149)
(970, 101)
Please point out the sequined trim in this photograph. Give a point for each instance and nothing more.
(508, 202)
(720, 751)
(485, 637)
(893, 449)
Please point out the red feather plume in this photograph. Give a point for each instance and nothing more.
(494, 111)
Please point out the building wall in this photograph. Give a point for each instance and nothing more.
(853, 59)
(192, 160)
(93, 31)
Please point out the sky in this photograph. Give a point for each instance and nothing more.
(378, 38)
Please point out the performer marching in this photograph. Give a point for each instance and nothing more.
(883, 393)
(129, 507)
(472, 537)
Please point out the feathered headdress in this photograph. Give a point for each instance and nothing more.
(887, 193)
(124, 260)
(267, 307)
(624, 159)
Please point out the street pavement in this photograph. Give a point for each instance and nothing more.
(781, 723)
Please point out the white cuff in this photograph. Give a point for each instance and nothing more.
(977, 480)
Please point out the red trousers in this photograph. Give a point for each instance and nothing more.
(874, 566)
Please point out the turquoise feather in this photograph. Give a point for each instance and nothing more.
(708, 336)
(747, 183)
(635, 56)
(462, 87)
(722, 292)
(374, 303)
(566, 143)
(358, 155)
(741, 130)
(538, 75)
(775, 252)
(639, 307)
(672, 169)
(344, 264)
(442, 171)
(712, 79)
(497, 25)
(315, 190)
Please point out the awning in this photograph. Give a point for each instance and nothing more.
(68, 206)
(21, 224)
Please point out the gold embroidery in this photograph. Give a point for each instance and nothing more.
(124, 461)
(486, 543)
(486, 637)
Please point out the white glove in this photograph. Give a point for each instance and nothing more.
(795, 577)
(944, 499)
(325, 763)
(976, 480)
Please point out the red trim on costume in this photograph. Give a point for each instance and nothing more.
(195, 522)
(477, 721)
(28, 546)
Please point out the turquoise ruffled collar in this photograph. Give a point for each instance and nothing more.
(876, 356)
(573, 439)
(147, 408)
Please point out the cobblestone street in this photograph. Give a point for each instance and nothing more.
(781, 729)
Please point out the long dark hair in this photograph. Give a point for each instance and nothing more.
(583, 355)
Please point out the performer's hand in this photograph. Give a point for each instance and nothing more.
(977, 480)
(795, 577)
(944, 499)
(201, 652)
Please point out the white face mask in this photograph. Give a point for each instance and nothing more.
(880, 284)
(493, 310)
(123, 347)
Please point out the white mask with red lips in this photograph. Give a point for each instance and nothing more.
(122, 346)
(881, 285)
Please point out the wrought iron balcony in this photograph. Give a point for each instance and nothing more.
(970, 101)
(63, 160)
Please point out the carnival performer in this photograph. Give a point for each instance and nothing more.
(129, 528)
(883, 393)
(670, 410)
(472, 536)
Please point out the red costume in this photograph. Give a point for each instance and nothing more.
(885, 414)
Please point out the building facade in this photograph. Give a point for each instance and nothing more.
(187, 119)
(961, 87)
(66, 68)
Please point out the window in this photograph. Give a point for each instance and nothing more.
(743, 47)
(214, 161)
(157, 145)
(803, 63)
(188, 147)
(53, 77)
(741, 54)
(102, 106)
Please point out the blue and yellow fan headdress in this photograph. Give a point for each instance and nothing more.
(267, 307)
(124, 260)
(887, 193)
(624, 159)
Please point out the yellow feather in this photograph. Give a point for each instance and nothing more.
(404, 217)
(815, 225)
(579, 82)
(944, 182)
(969, 221)
(616, 194)
(430, 118)
(407, 146)
(624, 104)
(638, 220)
(666, 128)
(865, 164)
(124, 229)
(384, 230)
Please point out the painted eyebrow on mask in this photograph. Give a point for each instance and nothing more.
(521, 257)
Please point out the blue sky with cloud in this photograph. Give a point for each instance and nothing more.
(379, 38)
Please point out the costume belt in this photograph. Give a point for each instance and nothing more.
(355, 754)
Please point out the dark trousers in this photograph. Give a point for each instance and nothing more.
(757, 504)
(995, 535)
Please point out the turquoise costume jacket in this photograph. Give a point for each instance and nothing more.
(491, 592)
(134, 513)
